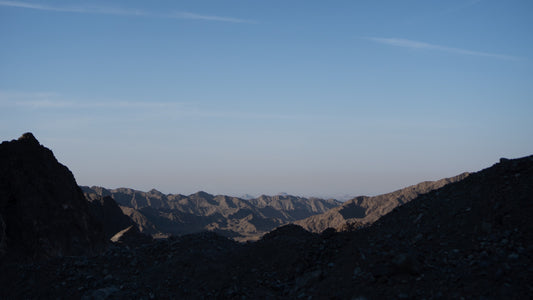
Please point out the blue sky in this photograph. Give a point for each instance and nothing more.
(314, 98)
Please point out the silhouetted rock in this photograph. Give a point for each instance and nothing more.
(44, 211)
(2, 237)
(286, 231)
(106, 210)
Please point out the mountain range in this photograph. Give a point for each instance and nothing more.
(469, 236)
(162, 215)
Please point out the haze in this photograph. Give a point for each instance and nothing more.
(311, 98)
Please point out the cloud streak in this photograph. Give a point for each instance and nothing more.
(121, 12)
(48, 100)
(405, 43)
(52, 101)
(192, 16)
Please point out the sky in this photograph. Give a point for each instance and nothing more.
(312, 98)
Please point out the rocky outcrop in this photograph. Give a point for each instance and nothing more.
(113, 220)
(141, 221)
(364, 210)
(44, 211)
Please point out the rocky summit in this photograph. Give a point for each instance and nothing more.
(468, 239)
(43, 212)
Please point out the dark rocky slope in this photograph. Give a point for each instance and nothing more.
(43, 212)
(106, 210)
(470, 239)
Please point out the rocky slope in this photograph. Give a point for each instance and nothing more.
(43, 212)
(106, 210)
(162, 215)
(471, 239)
(364, 210)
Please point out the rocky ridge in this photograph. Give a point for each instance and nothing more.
(163, 215)
(364, 210)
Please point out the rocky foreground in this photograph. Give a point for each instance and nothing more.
(470, 239)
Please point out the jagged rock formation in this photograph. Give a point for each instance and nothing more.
(290, 208)
(162, 215)
(43, 212)
(364, 210)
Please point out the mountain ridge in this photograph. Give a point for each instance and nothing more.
(363, 210)
(162, 215)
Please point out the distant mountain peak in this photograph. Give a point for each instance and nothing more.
(202, 194)
(154, 191)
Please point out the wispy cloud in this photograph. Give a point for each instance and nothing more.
(121, 11)
(192, 16)
(66, 104)
(405, 43)
(45, 101)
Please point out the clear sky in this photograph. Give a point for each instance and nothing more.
(323, 98)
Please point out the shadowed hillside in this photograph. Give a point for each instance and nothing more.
(364, 210)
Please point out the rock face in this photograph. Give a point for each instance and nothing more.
(162, 215)
(106, 210)
(364, 210)
(43, 212)
(2, 237)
